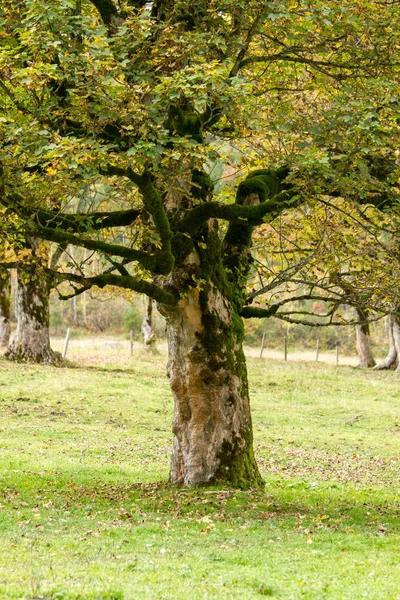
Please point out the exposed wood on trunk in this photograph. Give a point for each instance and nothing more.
(207, 370)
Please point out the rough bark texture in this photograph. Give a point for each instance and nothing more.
(363, 343)
(392, 359)
(212, 422)
(212, 427)
(5, 293)
(31, 342)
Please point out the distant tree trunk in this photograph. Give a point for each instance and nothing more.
(363, 341)
(149, 337)
(31, 342)
(392, 359)
(5, 296)
(84, 311)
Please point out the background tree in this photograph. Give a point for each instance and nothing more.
(31, 340)
(315, 263)
(142, 97)
(27, 254)
(5, 295)
(392, 359)
(149, 337)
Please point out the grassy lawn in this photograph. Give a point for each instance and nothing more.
(85, 515)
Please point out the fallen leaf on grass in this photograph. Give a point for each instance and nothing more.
(382, 529)
(208, 528)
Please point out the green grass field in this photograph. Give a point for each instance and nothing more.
(85, 513)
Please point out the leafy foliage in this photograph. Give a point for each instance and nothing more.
(137, 98)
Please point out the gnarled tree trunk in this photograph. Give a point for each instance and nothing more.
(5, 293)
(213, 440)
(363, 341)
(212, 422)
(31, 341)
(392, 359)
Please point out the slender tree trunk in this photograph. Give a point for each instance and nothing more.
(212, 427)
(84, 311)
(363, 342)
(31, 342)
(84, 299)
(149, 337)
(5, 297)
(392, 359)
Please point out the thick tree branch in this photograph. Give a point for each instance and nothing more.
(154, 204)
(157, 263)
(236, 213)
(255, 311)
(127, 282)
(115, 171)
(152, 199)
(261, 193)
(313, 323)
(250, 312)
(85, 222)
(107, 10)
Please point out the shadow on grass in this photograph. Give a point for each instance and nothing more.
(330, 506)
(98, 369)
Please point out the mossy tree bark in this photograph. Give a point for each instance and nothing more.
(213, 440)
(5, 295)
(31, 342)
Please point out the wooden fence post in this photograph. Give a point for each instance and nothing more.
(64, 354)
(285, 348)
(262, 344)
(317, 352)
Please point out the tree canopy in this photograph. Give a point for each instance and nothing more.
(142, 100)
(144, 97)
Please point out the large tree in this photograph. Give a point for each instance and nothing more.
(143, 98)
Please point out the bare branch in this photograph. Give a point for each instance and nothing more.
(249, 38)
